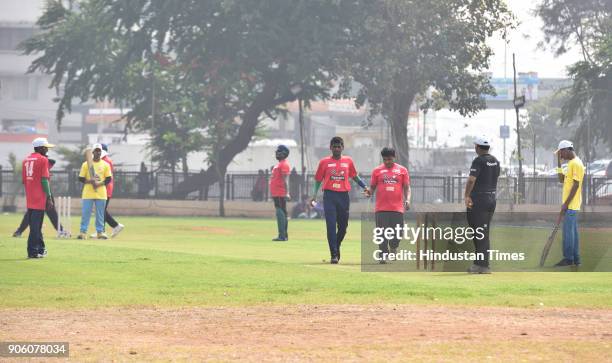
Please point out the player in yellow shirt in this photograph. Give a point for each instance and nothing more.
(572, 200)
(94, 192)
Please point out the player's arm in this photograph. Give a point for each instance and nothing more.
(319, 175)
(83, 174)
(407, 195)
(469, 186)
(560, 174)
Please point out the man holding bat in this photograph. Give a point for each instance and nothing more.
(95, 175)
(572, 200)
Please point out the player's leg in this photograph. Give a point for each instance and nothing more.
(52, 214)
(329, 206)
(99, 210)
(342, 216)
(25, 221)
(576, 243)
(283, 205)
(35, 241)
(108, 218)
(477, 219)
(568, 239)
(381, 222)
(86, 205)
(279, 219)
(395, 218)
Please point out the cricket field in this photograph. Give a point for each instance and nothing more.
(184, 289)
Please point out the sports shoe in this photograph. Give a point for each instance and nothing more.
(278, 239)
(485, 270)
(82, 235)
(563, 263)
(17, 234)
(43, 254)
(93, 235)
(117, 229)
(394, 250)
(102, 235)
(334, 260)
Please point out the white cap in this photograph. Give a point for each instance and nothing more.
(564, 144)
(41, 141)
(97, 146)
(482, 141)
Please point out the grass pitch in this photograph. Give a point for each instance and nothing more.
(173, 262)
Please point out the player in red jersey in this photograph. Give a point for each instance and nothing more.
(334, 173)
(35, 178)
(280, 191)
(391, 182)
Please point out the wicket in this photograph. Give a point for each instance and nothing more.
(64, 217)
(425, 220)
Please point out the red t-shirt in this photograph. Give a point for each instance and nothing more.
(390, 183)
(336, 174)
(34, 168)
(277, 186)
(110, 186)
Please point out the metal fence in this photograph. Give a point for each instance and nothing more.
(425, 188)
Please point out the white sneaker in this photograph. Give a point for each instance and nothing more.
(117, 229)
(93, 235)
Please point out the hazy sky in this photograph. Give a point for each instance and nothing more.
(524, 43)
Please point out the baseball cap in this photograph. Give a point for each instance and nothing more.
(104, 147)
(564, 144)
(482, 141)
(97, 146)
(41, 141)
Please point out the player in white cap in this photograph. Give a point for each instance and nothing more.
(480, 201)
(572, 200)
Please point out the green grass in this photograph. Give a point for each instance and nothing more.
(210, 261)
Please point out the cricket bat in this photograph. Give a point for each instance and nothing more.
(89, 160)
(550, 241)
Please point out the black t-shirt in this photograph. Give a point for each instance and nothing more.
(486, 170)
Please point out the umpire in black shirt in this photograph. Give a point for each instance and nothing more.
(480, 201)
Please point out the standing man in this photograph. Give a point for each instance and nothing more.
(391, 182)
(572, 200)
(280, 191)
(334, 173)
(35, 178)
(480, 201)
(116, 226)
(51, 212)
(94, 193)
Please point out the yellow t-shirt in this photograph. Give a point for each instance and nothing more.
(575, 171)
(102, 170)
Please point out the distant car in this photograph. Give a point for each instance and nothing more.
(598, 167)
(603, 193)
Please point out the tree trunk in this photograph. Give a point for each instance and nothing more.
(221, 178)
(264, 101)
(399, 126)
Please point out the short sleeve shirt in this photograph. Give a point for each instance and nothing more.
(486, 170)
(390, 184)
(102, 170)
(335, 174)
(575, 172)
(34, 168)
(277, 185)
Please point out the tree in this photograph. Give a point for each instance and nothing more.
(586, 24)
(73, 157)
(434, 49)
(256, 54)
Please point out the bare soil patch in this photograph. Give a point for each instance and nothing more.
(319, 333)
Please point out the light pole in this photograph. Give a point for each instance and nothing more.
(518, 103)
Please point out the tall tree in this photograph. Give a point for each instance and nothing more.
(261, 51)
(401, 49)
(586, 24)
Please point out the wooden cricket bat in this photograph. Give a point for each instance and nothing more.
(550, 241)
(89, 160)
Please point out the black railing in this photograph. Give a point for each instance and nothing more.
(245, 186)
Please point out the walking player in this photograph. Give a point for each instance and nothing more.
(334, 173)
(280, 191)
(94, 193)
(572, 200)
(480, 201)
(116, 226)
(50, 211)
(35, 178)
(391, 182)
